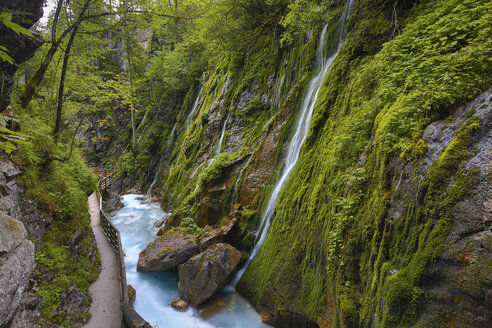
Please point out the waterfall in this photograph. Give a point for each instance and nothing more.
(195, 104)
(167, 148)
(307, 106)
(278, 93)
(221, 139)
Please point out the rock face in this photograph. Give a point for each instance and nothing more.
(16, 265)
(176, 247)
(20, 48)
(206, 273)
(14, 203)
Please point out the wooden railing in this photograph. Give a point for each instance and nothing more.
(131, 318)
(105, 177)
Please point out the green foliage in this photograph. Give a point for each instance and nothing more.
(53, 257)
(6, 20)
(61, 188)
(214, 169)
(333, 212)
(9, 139)
(129, 163)
(188, 225)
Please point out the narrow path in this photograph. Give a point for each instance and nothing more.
(106, 298)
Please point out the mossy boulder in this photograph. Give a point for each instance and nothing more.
(176, 246)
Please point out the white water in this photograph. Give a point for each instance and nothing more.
(322, 64)
(278, 93)
(221, 139)
(168, 145)
(195, 105)
(156, 290)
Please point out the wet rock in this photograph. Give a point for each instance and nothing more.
(167, 251)
(176, 247)
(261, 167)
(16, 265)
(212, 307)
(213, 199)
(206, 273)
(113, 203)
(179, 304)
(267, 316)
(162, 231)
(161, 221)
(13, 202)
(132, 293)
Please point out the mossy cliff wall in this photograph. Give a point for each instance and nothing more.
(386, 219)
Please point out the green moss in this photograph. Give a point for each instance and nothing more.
(188, 225)
(376, 100)
(55, 260)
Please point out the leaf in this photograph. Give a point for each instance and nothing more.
(6, 19)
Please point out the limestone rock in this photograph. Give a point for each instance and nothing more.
(13, 201)
(206, 273)
(212, 307)
(176, 247)
(16, 265)
(179, 304)
(167, 251)
(132, 293)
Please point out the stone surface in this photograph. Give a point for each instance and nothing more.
(206, 273)
(176, 247)
(14, 203)
(132, 293)
(16, 265)
(179, 304)
(20, 48)
(212, 307)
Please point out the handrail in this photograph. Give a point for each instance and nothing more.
(104, 172)
(131, 318)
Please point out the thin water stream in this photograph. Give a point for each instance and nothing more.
(156, 290)
(323, 63)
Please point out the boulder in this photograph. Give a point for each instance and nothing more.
(16, 265)
(206, 273)
(176, 247)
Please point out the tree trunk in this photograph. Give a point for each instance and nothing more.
(26, 96)
(57, 129)
(176, 20)
(36, 80)
(132, 110)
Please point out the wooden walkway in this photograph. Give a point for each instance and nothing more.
(106, 307)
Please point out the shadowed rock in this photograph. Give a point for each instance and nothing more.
(206, 273)
(16, 265)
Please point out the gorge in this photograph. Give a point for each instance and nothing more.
(304, 163)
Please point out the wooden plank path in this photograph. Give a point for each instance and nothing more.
(106, 307)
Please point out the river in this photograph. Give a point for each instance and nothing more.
(156, 290)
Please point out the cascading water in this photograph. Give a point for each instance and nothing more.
(156, 290)
(221, 139)
(195, 104)
(168, 145)
(308, 103)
